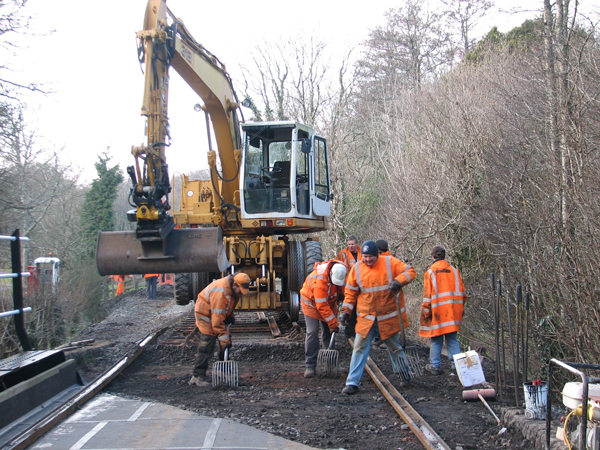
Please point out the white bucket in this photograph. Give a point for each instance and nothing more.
(536, 399)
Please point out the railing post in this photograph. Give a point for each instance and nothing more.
(15, 251)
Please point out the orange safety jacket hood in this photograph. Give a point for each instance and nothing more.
(444, 297)
(368, 291)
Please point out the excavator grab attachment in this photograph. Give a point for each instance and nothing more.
(183, 250)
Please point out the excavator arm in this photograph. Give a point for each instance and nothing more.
(156, 246)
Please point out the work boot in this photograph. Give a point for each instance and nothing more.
(201, 381)
(434, 370)
(350, 389)
(309, 372)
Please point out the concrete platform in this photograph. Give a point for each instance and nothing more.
(115, 423)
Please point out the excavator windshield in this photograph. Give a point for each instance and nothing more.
(277, 170)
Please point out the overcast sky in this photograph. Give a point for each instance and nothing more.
(85, 54)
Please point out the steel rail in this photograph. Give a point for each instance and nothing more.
(34, 432)
(422, 430)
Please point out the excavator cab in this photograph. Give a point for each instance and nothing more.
(285, 176)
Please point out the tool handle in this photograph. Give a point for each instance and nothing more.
(402, 335)
(527, 300)
(331, 341)
(519, 294)
(488, 407)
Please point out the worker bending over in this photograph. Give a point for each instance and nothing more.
(214, 311)
(319, 298)
(371, 286)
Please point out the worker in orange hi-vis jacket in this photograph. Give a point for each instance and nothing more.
(444, 298)
(371, 289)
(151, 282)
(350, 256)
(214, 312)
(120, 279)
(319, 297)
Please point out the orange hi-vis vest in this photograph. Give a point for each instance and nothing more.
(319, 296)
(347, 258)
(368, 290)
(444, 299)
(213, 305)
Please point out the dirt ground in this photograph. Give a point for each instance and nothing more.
(274, 396)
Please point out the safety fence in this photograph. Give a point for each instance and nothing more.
(17, 279)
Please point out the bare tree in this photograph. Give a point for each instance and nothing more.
(408, 49)
(466, 14)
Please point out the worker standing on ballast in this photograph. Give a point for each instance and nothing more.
(319, 298)
(371, 287)
(444, 298)
(214, 311)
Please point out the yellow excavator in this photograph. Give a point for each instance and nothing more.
(269, 182)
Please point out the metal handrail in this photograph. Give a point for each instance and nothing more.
(14, 275)
(14, 312)
(17, 276)
(13, 238)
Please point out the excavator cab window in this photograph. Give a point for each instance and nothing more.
(268, 174)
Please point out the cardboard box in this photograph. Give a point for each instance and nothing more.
(468, 368)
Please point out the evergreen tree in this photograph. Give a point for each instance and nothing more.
(97, 213)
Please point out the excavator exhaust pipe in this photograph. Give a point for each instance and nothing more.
(186, 250)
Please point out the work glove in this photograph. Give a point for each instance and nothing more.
(230, 319)
(335, 330)
(395, 286)
(343, 317)
(224, 345)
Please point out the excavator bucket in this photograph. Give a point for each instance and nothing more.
(186, 250)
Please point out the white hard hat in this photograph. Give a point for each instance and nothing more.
(338, 274)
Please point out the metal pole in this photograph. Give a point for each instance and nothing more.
(503, 371)
(518, 334)
(512, 348)
(526, 352)
(15, 254)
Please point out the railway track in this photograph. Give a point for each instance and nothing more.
(249, 327)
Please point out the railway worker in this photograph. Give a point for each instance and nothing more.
(214, 312)
(120, 279)
(151, 282)
(383, 247)
(319, 299)
(444, 298)
(350, 256)
(371, 287)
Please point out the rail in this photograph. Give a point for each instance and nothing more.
(422, 430)
(17, 276)
(31, 434)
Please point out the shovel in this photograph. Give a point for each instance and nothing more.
(412, 355)
(327, 360)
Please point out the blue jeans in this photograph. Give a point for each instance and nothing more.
(435, 351)
(360, 354)
(151, 287)
(311, 343)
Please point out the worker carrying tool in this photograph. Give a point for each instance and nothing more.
(319, 298)
(214, 312)
(371, 286)
(444, 297)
